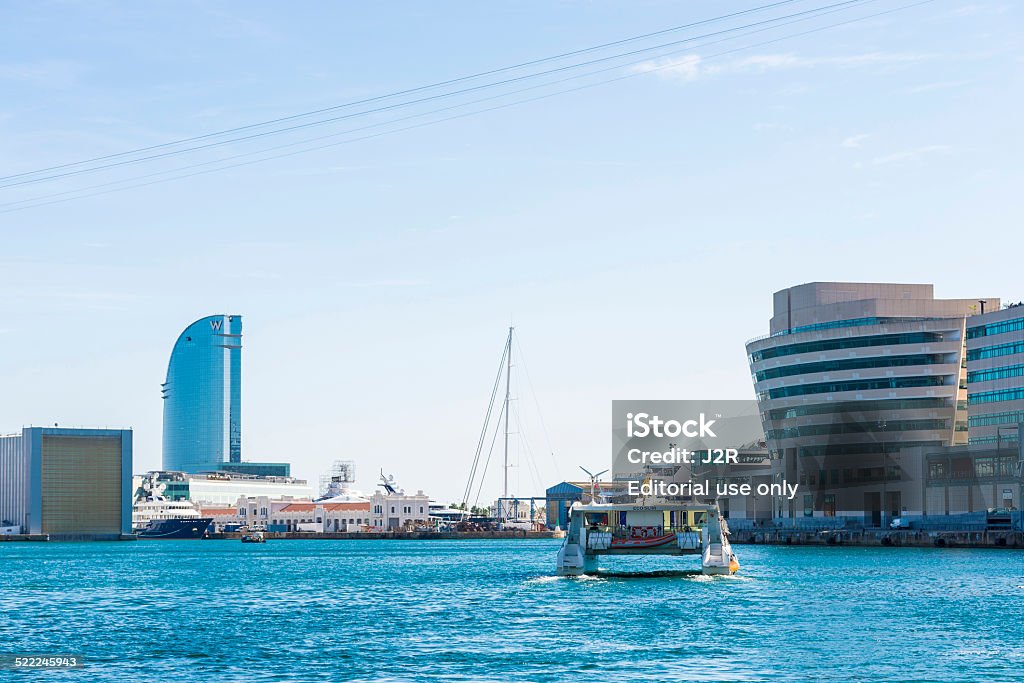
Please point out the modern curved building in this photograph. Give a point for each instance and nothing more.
(850, 374)
(203, 396)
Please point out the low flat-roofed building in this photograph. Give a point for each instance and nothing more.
(975, 478)
(260, 469)
(224, 488)
(219, 515)
(68, 483)
(296, 514)
(323, 517)
(560, 497)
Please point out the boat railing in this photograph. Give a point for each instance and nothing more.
(640, 532)
(600, 537)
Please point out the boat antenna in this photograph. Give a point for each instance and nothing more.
(593, 482)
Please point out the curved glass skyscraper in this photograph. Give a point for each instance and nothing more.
(203, 396)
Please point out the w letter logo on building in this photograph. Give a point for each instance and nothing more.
(216, 325)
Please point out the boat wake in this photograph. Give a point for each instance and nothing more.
(656, 574)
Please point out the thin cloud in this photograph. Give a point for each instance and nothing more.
(976, 8)
(48, 74)
(767, 62)
(941, 85)
(854, 140)
(692, 67)
(686, 68)
(908, 155)
(360, 284)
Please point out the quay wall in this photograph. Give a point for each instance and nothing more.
(388, 535)
(896, 538)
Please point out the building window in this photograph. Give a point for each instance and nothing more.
(846, 343)
(984, 467)
(808, 506)
(993, 396)
(830, 505)
(854, 385)
(1003, 327)
(995, 351)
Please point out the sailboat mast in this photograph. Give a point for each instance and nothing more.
(508, 394)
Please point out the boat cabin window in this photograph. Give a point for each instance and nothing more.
(597, 519)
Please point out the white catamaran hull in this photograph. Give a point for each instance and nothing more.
(658, 529)
(572, 561)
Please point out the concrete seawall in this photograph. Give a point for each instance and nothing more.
(895, 538)
(390, 535)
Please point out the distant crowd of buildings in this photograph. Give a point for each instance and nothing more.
(78, 483)
(880, 400)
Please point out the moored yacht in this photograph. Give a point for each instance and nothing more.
(153, 516)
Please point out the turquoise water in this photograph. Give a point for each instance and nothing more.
(488, 610)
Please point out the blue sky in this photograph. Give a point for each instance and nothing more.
(633, 232)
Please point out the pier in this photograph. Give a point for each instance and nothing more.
(1001, 529)
(387, 535)
(878, 537)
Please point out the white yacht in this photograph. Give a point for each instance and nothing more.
(153, 516)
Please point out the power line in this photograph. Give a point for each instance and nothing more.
(820, 13)
(408, 91)
(390, 107)
(428, 123)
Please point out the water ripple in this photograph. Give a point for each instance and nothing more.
(492, 610)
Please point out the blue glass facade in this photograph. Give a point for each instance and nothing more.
(203, 396)
(858, 342)
(995, 376)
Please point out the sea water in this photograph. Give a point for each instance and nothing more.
(492, 610)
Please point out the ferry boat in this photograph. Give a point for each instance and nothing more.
(662, 528)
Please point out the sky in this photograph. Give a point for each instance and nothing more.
(632, 231)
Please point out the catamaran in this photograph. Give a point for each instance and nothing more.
(661, 528)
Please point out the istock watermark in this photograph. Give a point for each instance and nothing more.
(694, 449)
